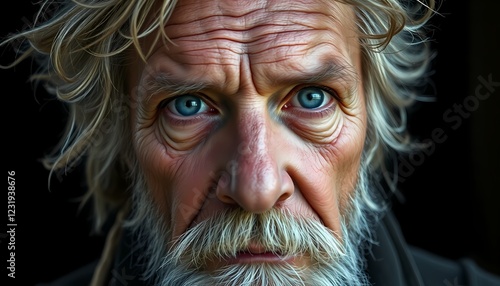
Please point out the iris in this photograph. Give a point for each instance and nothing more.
(311, 97)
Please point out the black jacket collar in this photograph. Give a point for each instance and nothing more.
(390, 262)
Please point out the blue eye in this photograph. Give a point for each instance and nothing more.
(311, 98)
(187, 105)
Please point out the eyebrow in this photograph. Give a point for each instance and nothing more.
(165, 82)
(332, 70)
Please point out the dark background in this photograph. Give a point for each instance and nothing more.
(449, 202)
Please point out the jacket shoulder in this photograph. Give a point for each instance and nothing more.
(80, 277)
(437, 270)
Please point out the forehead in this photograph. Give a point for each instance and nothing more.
(248, 20)
(212, 36)
(248, 13)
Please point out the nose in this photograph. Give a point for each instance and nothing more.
(256, 178)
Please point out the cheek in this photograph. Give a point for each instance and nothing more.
(349, 148)
(329, 172)
(156, 167)
(178, 182)
(347, 151)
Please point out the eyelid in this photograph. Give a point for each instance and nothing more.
(211, 107)
(329, 90)
(297, 88)
(173, 96)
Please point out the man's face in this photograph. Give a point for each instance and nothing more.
(254, 105)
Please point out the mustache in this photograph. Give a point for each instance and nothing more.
(233, 231)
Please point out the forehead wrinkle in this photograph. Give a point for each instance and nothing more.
(225, 51)
(212, 24)
(211, 31)
(208, 22)
(245, 32)
(264, 48)
(243, 12)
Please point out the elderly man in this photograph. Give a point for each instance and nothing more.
(240, 142)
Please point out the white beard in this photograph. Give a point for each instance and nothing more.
(332, 262)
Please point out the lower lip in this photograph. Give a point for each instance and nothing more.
(269, 257)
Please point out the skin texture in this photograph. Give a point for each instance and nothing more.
(252, 145)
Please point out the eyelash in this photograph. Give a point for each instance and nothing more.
(164, 103)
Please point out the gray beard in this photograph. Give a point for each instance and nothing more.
(332, 262)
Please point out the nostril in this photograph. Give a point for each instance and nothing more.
(287, 186)
(284, 197)
(223, 189)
